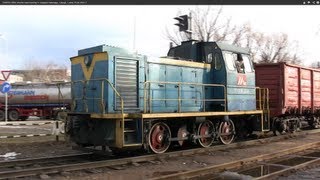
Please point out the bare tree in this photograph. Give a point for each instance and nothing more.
(44, 72)
(276, 48)
(315, 64)
(210, 25)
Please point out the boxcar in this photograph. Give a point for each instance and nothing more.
(294, 93)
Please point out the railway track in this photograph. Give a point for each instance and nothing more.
(266, 166)
(38, 161)
(54, 165)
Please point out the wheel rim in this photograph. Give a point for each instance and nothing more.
(226, 130)
(13, 115)
(159, 138)
(204, 129)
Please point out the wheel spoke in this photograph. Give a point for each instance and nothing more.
(204, 129)
(226, 131)
(158, 137)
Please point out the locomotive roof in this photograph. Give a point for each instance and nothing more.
(286, 64)
(232, 48)
(221, 45)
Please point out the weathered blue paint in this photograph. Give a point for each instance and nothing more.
(238, 97)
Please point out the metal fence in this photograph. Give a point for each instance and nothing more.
(57, 129)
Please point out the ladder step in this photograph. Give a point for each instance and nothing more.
(129, 131)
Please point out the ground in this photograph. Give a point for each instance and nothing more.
(47, 146)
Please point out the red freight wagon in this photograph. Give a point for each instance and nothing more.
(294, 92)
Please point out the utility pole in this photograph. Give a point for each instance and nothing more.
(134, 34)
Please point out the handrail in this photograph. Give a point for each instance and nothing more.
(102, 106)
(148, 99)
(72, 94)
(84, 97)
(262, 98)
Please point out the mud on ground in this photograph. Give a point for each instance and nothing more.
(44, 147)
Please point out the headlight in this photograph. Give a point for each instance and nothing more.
(87, 61)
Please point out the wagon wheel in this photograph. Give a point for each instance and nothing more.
(205, 129)
(158, 137)
(226, 130)
(13, 115)
(315, 122)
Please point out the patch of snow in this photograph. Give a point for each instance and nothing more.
(9, 155)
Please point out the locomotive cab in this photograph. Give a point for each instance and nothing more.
(230, 66)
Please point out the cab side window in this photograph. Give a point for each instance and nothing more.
(229, 59)
(217, 61)
(247, 63)
(239, 63)
(209, 58)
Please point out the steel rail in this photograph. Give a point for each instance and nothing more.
(290, 169)
(145, 158)
(202, 172)
(19, 162)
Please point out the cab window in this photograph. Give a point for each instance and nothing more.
(217, 61)
(247, 63)
(209, 58)
(229, 59)
(239, 62)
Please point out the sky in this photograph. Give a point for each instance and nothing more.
(43, 34)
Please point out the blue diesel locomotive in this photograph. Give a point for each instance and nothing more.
(199, 93)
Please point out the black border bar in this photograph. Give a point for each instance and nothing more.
(159, 2)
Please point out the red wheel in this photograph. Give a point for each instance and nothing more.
(226, 130)
(205, 129)
(158, 138)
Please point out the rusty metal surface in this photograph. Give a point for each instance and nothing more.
(293, 89)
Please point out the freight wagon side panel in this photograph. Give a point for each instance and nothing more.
(316, 90)
(270, 76)
(305, 89)
(291, 89)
